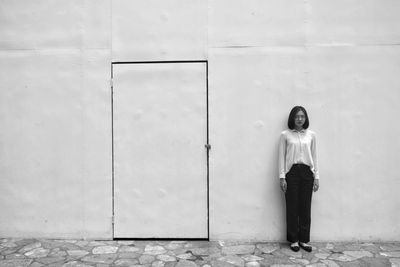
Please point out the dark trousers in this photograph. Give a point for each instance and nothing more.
(300, 180)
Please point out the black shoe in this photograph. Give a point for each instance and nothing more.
(306, 247)
(295, 248)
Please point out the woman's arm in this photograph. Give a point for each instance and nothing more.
(315, 162)
(314, 156)
(282, 155)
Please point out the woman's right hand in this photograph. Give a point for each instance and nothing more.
(283, 184)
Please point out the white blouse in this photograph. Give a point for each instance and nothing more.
(297, 147)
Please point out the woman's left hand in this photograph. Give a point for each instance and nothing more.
(316, 185)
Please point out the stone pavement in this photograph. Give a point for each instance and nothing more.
(45, 252)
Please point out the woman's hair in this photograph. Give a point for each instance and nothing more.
(292, 115)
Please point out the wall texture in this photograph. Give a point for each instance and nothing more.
(339, 59)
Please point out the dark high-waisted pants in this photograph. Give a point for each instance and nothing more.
(300, 180)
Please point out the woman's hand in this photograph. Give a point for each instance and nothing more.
(316, 185)
(283, 184)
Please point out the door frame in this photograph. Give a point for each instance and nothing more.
(112, 142)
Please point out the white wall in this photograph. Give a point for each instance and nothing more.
(339, 59)
(55, 145)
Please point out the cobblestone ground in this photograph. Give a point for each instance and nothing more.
(44, 252)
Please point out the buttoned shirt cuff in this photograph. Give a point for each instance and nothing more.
(282, 175)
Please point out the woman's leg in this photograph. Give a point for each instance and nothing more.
(305, 196)
(292, 207)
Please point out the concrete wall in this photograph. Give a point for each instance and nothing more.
(339, 59)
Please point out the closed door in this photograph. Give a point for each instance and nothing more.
(160, 159)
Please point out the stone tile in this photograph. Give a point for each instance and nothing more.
(144, 243)
(217, 263)
(233, 259)
(36, 264)
(15, 262)
(319, 264)
(371, 248)
(154, 250)
(252, 258)
(9, 244)
(82, 243)
(391, 254)
(50, 260)
(126, 262)
(172, 245)
(158, 264)
(322, 255)
(71, 241)
(62, 245)
(77, 253)
(198, 244)
(330, 246)
(75, 264)
(341, 257)
(170, 264)
(358, 254)
(37, 253)
(128, 249)
(30, 247)
(146, 259)
(340, 247)
(288, 252)
(15, 256)
(239, 249)
(355, 263)
(271, 259)
(166, 258)
(177, 251)
(310, 256)
(185, 263)
(8, 251)
(125, 243)
(57, 253)
(395, 262)
(300, 261)
(285, 265)
(186, 256)
(252, 264)
(390, 247)
(24, 242)
(104, 258)
(212, 257)
(330, 263)
(96, 244)
(128, 255)
(204, 251)
(268, 248)
(105, 250)
(200, 262)
(376, 262)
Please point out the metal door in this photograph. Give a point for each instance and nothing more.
(160, 159)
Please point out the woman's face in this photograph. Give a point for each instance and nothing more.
(299, 119)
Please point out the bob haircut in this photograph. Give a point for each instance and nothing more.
(292, 115)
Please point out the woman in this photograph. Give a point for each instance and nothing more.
(298, 173)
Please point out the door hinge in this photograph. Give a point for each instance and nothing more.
(112, 219)
(111, 83)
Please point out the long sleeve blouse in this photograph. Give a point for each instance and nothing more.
(297, 147)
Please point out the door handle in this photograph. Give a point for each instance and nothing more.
(208, 146)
